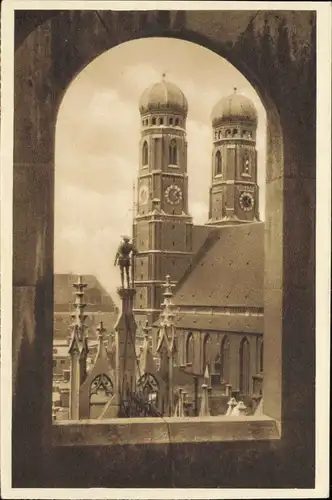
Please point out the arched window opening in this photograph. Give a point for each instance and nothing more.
(161, 121)
(206, 352)
(244, 367)
(224, 360)
(145, 154)
(173, 153)
(260, 351)
(176, 122)
(218, 163)
(246, 164)
(190, 349)
(234, 132)
(219, 134)
(171, 121)
(153, 121)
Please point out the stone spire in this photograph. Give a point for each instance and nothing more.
(147, 364)
(78, 339)
(102, 352)
(125, 348)
(166, 347)
(78, 348)
(167, 315)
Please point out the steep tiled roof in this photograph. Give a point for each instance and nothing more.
(96, 297)
(227, 271)
(220, 322)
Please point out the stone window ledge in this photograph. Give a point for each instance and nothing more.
(162, 431)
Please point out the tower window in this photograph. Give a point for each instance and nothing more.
(153, 121)
(246, 164)
(234, 131)
(190, 349)
(161, 121)
(218, 163)
(219, 134)
(145, 154)
(176, 122)
(173, 152)
(228, 132)
(171, 121)
(244, 133)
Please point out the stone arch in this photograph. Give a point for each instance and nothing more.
(262, 52)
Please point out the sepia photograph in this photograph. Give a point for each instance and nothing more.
(164, 182)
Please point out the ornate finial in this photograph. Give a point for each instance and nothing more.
(167, 315)
(101, 330)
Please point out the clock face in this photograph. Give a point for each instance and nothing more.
(143, 195)
(246, 201)
(173, 194)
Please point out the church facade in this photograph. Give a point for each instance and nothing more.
(217, 268)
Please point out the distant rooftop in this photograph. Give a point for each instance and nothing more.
(95, 295)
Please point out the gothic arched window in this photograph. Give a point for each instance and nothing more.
(246, 163)
(244, 366)
(145, 154)
(173, 152)
(206, 351)
(190, 349)
(218, 163)
(259, 355)
(225, 359)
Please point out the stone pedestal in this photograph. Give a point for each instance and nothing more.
(125, 341)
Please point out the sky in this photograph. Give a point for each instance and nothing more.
(97, 138)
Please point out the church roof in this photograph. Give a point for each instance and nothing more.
(220, 322)
(163, 96)
(228, 270)
(235, 107)
(95, 296)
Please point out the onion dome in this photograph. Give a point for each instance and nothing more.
(234, 108)
(163, 96)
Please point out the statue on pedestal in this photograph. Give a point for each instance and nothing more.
(124, 259)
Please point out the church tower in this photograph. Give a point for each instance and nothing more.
(234, 189)
(162, 228)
